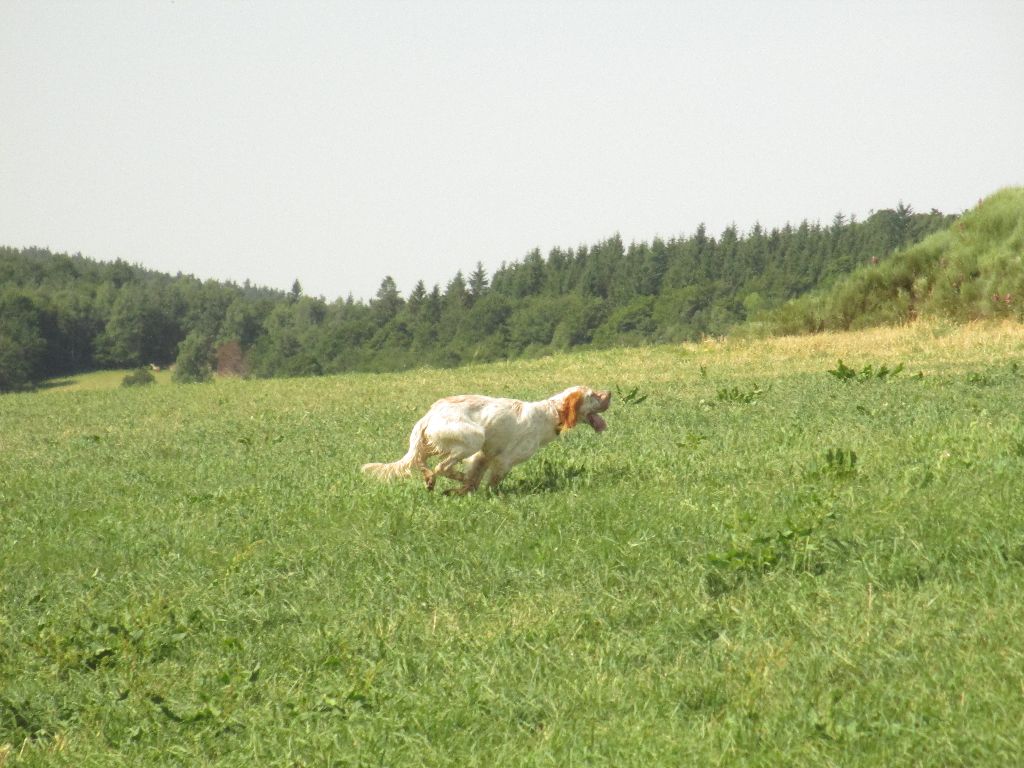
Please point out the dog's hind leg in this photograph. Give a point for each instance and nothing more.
(454, 443)
(444, 468)
(474, 473)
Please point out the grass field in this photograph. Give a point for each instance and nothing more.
(759, 564)
(88, 382)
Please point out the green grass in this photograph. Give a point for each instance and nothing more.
(97, 380)
(827, 572)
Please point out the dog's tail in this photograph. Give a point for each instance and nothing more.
(416, 456)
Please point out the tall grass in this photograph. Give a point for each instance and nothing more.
(828, 573)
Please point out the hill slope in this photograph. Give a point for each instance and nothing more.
(973, 270)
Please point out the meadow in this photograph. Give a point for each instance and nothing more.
(768, 559)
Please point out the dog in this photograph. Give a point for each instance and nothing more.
(490, 434)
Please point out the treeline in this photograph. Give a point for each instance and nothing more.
(63, 314)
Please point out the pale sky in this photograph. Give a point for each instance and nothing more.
(339, 142)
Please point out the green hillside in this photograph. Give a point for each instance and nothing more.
(972, 270)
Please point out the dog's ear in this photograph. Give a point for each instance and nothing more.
(568, 410)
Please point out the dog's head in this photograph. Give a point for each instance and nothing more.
(578, 404)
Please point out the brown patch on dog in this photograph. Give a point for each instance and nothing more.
(568, 411)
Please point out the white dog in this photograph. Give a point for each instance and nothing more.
(490, 433)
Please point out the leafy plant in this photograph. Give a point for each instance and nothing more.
(793, 544)
(633, 397)
(692, 440)
(980, 379)
(840, 462)
(844, 372)
(1017, 448)
(737, 395)
(994, 375)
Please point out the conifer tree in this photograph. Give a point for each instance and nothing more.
(477, 282)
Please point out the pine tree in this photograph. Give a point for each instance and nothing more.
(417, 298)
(477, 282)
(456, 295)
(387, 303)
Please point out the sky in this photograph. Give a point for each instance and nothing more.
(340, 142)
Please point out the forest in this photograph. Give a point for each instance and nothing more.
(63, 314)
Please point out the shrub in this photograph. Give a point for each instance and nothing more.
(140, 377)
